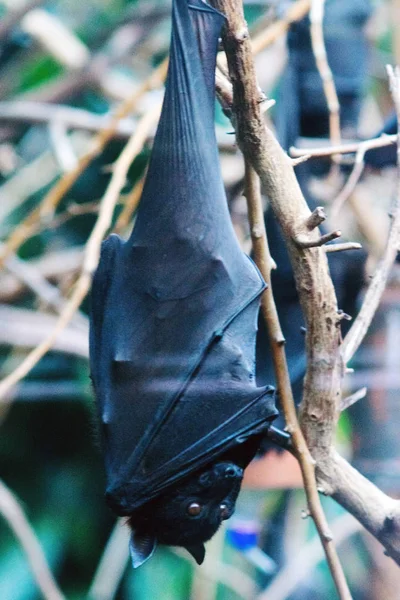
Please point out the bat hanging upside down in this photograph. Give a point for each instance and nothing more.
(173, 325)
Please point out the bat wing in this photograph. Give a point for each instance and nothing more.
(175, 308)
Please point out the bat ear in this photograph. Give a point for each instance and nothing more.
(197, 551)
(141, 548)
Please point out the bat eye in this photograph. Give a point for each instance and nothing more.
(194, 509)
(224, 511)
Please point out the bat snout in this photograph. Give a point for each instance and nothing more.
(233, 471)
(229, 470)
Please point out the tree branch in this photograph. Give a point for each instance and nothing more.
(55, 195)
(378, 283)
(277, 175)
(92, 248)
(322, 386)
(12, 512)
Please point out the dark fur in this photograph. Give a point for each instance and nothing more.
(174, 321)
(166, 517)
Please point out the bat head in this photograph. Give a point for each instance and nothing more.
(188, 514)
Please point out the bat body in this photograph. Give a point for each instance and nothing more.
(173, 324)
(302, 109)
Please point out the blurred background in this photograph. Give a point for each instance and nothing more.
(65, 66)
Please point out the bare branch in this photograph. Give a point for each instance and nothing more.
(272, 164)
(321, 59)
(351, 181)
(378, 283)
(112, 565)
(353, 398)
(12, 512)
(317, 217)
(295, 12)
(53, 265)
(26, 328)
(300, 566)
(75, 118)
(343, 247)
(384, 140)
(130, 205)
(378, 513)
(302, 241)
(53, 198)
(92, 249)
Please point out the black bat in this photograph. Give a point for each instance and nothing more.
(302, 109)
(173, 324)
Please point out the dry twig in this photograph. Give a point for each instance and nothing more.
(295, 12)
(75, 118)
(12, 512)
(53, 198)
(352, 181)
(92, 249)
(112, 565)
(378, 283)
(321, 59)
(301, 566)
(264, 153)
(377, 512)
(353, 398)
(131, 203)
(25, 328)
(53, 266)
(263, 260)
(384, 140)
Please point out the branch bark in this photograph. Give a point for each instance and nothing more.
(320, 407)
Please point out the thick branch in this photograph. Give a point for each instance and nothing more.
(322, 387)
(277, 175)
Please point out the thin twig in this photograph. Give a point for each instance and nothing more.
(130, 205)
(353, 398)
(343, 247)
(25, 328)
(376, 511)
(295, 12)
(62, 147)
(75, 118)
(307, 464)
(380, 142)
(352, 181)
(321, 59)
(45, 291)
(378, 283)
(317, 217)
(263, 152)
(13, 17)
(303, 242)
(92, 248)
(300, 567)
(12, 512)
(112, 565)
(33, 280)
(53, 265)
(53, 198)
